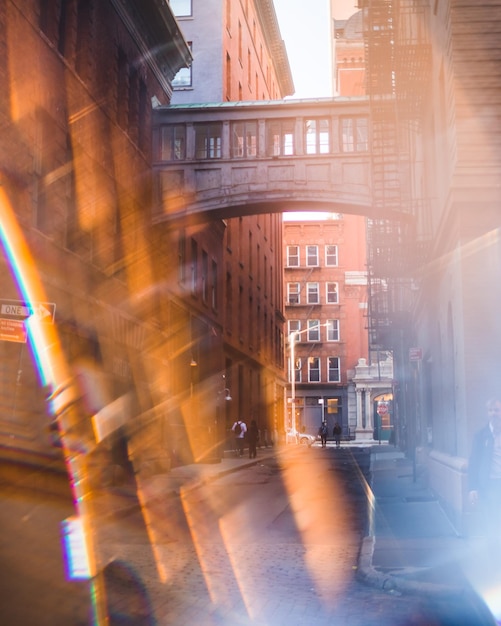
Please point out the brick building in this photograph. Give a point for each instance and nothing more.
(75, 162)
(326, 309)
(238, 54)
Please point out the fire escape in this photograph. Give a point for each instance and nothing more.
(397, 58)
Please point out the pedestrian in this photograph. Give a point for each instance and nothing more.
(484, 471)
(322, 431)
(239, 429)
(337, 430)
(252, 439)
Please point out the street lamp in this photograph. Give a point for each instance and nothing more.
(214, 430)
(292, 341)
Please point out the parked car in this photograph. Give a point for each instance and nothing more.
(304, 439)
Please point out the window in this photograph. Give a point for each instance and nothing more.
(173, 143)
(85, 20)
(292, 256)
(62, 27)
(208, 141)
(293, 293)
(183, 78)
(194, 266)
(181, 256)
(122, 88)
(312, 291)
(214, 286)
(312, 256)
(313, 369)
(331, 256)
(331, 293)
(229, 304)
(240, 42)
(297, 370)
(317, 136)
(244, 139)
(143, 121)
(334, 370)
(294, 326)
(280, 138)
(205, 276)
(249, 67)
(181, 8)
(333, 405)
(354, 134)
(313, 330)
(332, 330)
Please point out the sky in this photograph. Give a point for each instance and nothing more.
(305, 28)
(307, 39)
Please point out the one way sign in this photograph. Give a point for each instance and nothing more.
(17, 309)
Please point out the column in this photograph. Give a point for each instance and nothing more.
(364, 430)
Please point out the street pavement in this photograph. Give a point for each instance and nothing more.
(410, 549)
(410, 546)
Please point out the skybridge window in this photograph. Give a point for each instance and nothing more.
(280, 138)
(208, 141)
(317, 136)
(173, 142)
(354, 134)
(244, 139)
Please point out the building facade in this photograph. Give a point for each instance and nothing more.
(348, 54)
(238, 54)
(434, 110)
(325, 286)
(75, 161)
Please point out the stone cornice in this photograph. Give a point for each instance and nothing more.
(153, 27)
(269, 24)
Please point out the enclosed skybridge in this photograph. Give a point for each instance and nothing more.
(233, 159)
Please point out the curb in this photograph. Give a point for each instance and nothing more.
(369, 575)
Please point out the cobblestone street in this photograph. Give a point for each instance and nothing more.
(271, 574)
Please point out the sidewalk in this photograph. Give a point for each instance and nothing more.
(411, 545)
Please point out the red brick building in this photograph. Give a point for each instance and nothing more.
(238, 54)
(326, 307)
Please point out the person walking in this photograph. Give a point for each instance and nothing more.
(337, 431)
(484, 471)
(322, 431)
(239, 429)
(252, 439)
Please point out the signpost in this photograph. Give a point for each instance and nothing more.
(14, 313)
(415, 354)
(12, 330)
(17, 309)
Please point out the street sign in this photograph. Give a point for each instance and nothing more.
(12, 330)
(415, 354)
(18, 309)
(382, 408)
